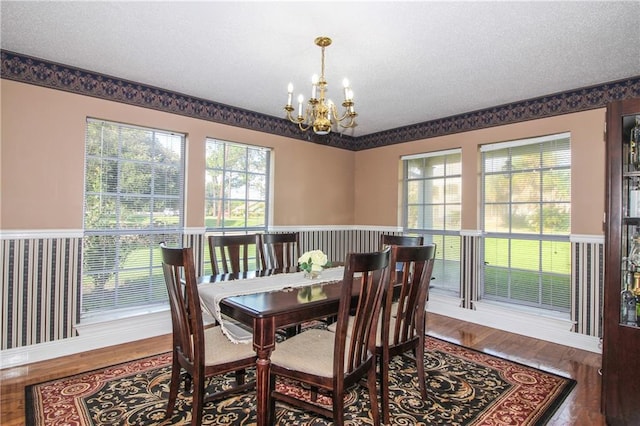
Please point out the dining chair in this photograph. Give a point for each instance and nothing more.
(400, 240)
(279, 250)
(201, 352)
(388, 240)
(402, 326)
(336, 361)
(233, 253)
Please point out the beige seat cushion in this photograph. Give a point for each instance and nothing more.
(219, 349)
(310, 352)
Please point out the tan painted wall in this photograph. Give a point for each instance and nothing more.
(42, 162)
(42, 165)
(378, 171)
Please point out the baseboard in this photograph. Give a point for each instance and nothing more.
(93, 336)
(550, 329)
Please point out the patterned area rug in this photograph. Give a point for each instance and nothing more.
(465, 387)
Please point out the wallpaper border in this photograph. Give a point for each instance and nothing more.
(30, 70)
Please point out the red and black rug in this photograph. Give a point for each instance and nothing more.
(465, 387)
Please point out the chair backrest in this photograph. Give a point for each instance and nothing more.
(399, 240)
(411, 284)
(279, 250)
(366, 274)
(184, 300)
(231, 253)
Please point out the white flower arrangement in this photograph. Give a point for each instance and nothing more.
(313, 261)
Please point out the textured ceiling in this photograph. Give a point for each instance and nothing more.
(408, 62)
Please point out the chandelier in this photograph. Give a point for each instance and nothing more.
(320, 113)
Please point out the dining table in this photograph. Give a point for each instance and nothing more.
(292, 300)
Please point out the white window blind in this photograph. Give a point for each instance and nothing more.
(134, 186)
(432, 203)
(236, 190)
(526, 217)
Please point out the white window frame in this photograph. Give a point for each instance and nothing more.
(446, 272)
(227, 197)
(514, 275)
(135, 283)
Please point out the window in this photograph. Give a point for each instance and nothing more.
(133, 200)
(432, 188)
(236, 189)
(526, 212)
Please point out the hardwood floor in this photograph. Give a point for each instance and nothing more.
(582, 406)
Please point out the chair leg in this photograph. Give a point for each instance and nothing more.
(373, 393)
(420, 367)
(338, 407)
(384, 386)
(174, 385)
(197, 399)
(271, 414)
(240, 374)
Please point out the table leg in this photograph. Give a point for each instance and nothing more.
(264, 336)
(263, 391)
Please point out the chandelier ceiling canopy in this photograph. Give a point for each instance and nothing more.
(320, 113)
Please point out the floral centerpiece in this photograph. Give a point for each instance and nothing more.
(313, 262)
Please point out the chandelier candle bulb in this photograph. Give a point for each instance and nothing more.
(300, 100)
(290, 90)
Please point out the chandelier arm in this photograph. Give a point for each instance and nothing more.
(303, 128)
(346, 114)
(352, 123)
(298, 120)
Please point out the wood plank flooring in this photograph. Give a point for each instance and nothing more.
(582, 406)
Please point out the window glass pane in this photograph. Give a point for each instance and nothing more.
(525, 186)
(257, 187)
(556, 185)
(415, 191)
(215, 155)
(525, 157)
(257, 160)
(236, 157)
(413, 217)
(497, 188)
(434, 217)
(496, 217)
(453, 189)
(556, 218)
(415, 168)
(446, 268)
(454, 164)
(434, 166)
(452, 217)
(525, 218)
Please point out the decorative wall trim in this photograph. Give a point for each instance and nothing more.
(587, 278)
(40, 289)
(197, 242)
(469, 273)
(30, 70)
